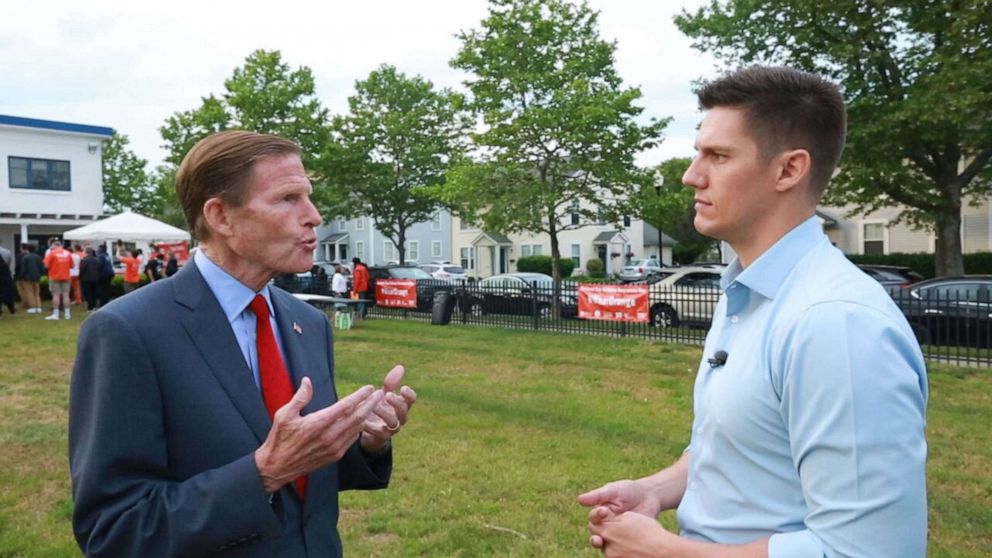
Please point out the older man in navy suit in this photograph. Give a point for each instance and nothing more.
(203, 417)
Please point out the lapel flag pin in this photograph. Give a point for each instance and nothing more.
(297, 328)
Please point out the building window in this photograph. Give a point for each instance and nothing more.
(436, 249)
(39, 174)
(577, 255)
(360, 224)
(389, 253)
(466, 225)
(360, 250)
(342, 223)
(436, 222)
(874, 238)
(626, 221)
(575, 213)
(525, 250)
(413, 250)
(468, 257)
(537, 249)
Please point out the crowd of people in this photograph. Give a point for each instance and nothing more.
(77, 275)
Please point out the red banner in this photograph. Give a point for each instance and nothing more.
(617, 303)
(180, 249)
(396, 293)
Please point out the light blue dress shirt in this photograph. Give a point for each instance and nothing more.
(234, 298)
(813, 430)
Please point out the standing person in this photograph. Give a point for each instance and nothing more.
(106, 276)
(6, 256)
(59, 263)
(132, 269)
(153, 269)
(172, 266)
(75, 294)
(810, 402)
(185, 435)
(6, 287)
(89, 278)
(360, 284)
(339, 285)
(29, 274)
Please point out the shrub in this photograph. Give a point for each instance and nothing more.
(595, 268)
(542, 264)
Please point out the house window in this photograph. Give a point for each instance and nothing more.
(466, 225)
(525, 250)
(436, 222)
(577, 255)
(537, 249)
(389, 251)
(435, 248)
(874, 238)
(575, 213)
(412, 250)
(39, 174)
(360, 224)
(626, 221)
(468, 257)
(342, 223)
(360, 250)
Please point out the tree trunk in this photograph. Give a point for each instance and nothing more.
(401, 243)
(947, 246)
(555, 270)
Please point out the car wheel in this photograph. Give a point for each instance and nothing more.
(663, 315)
(475, 309)
(544, 311)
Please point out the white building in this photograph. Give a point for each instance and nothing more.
(52, 180)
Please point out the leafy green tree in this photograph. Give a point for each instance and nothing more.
(264, 95)
(391, 149)
(668, 205)
(918, 81)
(125, 182)
(561, 131)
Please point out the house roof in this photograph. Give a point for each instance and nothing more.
(606, 237)
(335, 238)
(651, 237)
(492, 237)
(37, 123)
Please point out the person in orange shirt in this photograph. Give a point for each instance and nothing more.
(132, 275)
(58, 260)
(75, 292)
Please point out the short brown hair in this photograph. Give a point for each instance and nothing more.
(219, 166)
(786, 109)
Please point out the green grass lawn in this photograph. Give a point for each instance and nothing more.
(510, 426)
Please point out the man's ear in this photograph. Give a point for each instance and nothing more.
(793, 169)
(217, 217)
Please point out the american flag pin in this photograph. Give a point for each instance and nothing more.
(297, 328)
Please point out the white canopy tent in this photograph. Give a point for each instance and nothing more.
(130, 227)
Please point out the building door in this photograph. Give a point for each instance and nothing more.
(504, 263)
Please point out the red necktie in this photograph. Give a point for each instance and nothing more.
(277, 388)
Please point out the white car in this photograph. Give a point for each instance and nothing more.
(639, 270)
(445, 272)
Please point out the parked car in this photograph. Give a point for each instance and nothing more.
(445, 272)
(683, 296)
(950, 310)
(892, 277)
(639, 270)
(426, 285)
(519, 294)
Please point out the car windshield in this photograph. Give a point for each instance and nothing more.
(409, 273)
(643, 263)
(454, 269)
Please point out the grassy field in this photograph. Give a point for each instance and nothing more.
(510, 426)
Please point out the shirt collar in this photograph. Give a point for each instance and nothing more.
(767, 274)
(233, 296)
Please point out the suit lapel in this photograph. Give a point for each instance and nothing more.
(211, 334)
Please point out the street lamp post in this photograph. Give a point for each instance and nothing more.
(659, 182)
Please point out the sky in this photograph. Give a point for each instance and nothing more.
(129, 65)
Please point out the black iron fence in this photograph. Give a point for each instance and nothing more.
(951, 328)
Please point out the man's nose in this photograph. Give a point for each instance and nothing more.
(692, 176)
(313, 217)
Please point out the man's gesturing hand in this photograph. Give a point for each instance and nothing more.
(391, 414)
(297, 445)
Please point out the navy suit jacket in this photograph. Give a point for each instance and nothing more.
(164, 420)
